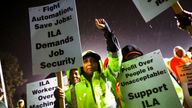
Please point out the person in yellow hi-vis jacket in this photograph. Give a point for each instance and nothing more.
(94, 89)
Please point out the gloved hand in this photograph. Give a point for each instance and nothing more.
(184, 20)
(111, 40)
(101, 24)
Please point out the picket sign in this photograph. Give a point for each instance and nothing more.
(185, 78)
(55, 39)
(145, 82)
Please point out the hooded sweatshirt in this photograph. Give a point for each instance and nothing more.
(97, 92)
(176, 60)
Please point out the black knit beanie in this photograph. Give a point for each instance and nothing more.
(129, 50)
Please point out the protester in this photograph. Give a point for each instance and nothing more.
(70, 97)
(184, 20)
(179, 58)
(74, 78)
(94, 90)
(130, 52)
(189, 53)
(102, 25)
(190, 49)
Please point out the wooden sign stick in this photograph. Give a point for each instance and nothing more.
(60, 84)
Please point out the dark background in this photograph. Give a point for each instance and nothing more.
(122, 16)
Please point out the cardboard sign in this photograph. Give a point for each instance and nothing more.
(40, 94)
(55, 37)
(145, 82)
(185, 76)
(151, 8)
(185, 73)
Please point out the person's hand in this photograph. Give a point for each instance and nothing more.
(184, 21)
(59, 93)
(101, 24)
(111, 40)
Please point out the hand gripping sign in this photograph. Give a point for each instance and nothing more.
(55, 38)
(40, 94)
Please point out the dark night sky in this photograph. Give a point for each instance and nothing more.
(122, 15)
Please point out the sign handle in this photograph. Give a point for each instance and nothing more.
(186, 94)
(60, 84)
(178, 10)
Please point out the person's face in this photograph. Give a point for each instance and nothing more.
(74, 76)
(132, 56)
(180, 53)
(90, 65)
(190, 50)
